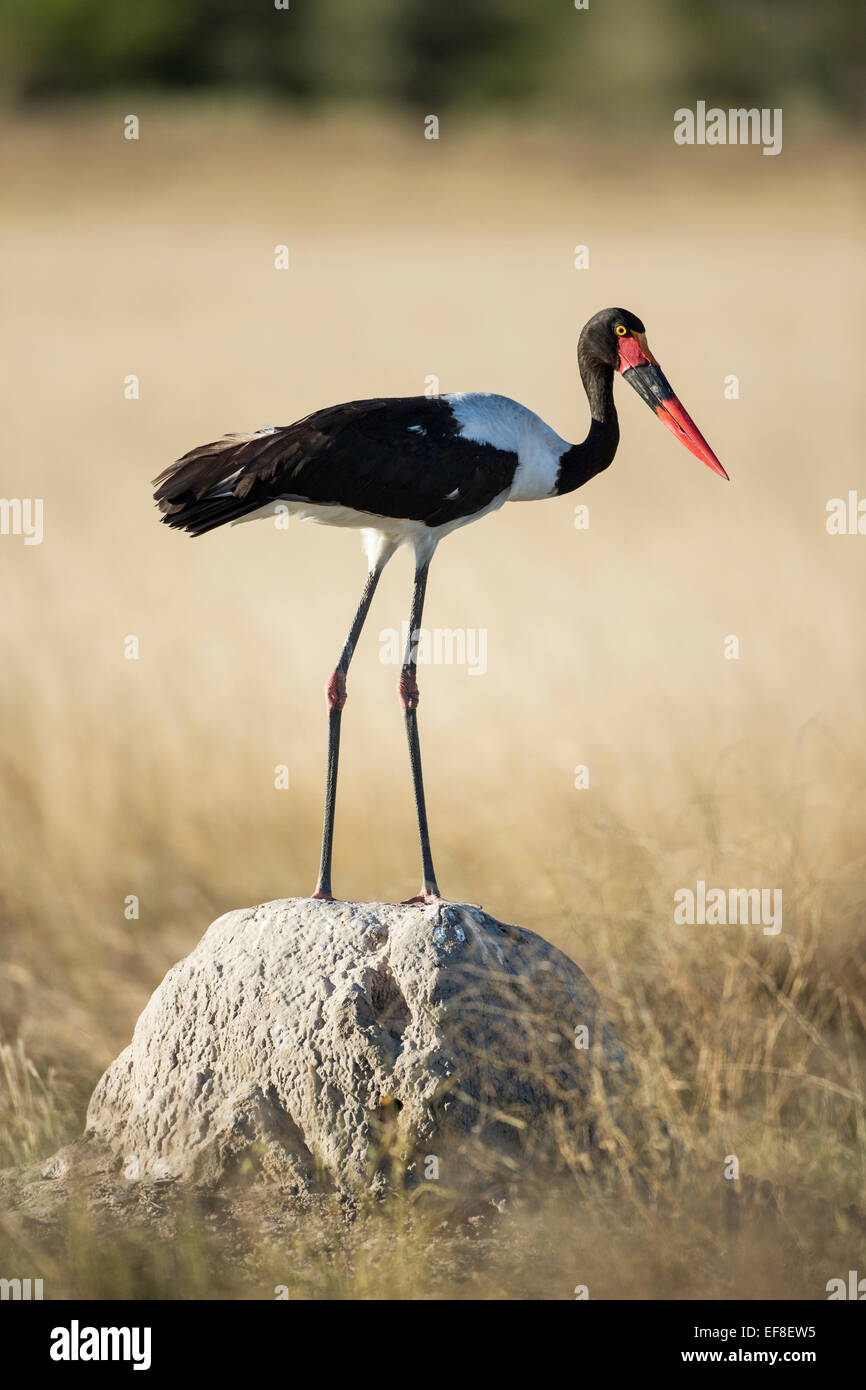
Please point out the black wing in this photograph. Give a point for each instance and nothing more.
(391, 457)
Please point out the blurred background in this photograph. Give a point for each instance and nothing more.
(487, 56)
(413, 259)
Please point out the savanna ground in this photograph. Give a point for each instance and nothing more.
(155, 777)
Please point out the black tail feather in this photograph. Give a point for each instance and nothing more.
(204, 489)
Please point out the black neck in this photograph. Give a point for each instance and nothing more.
(582, 461)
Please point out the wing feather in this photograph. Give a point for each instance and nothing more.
(390, 457)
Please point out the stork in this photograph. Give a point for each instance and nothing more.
(409, 470)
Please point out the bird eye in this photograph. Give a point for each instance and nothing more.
(621, 330)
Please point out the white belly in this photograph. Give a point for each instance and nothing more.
(384, 532)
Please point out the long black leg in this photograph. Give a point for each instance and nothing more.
(408, 689)
(335, 693)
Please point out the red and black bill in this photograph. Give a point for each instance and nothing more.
(640, 369)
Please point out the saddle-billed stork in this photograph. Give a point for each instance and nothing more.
(410, 470)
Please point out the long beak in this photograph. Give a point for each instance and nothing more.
(640, 369)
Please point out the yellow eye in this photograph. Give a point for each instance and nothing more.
(621, 330)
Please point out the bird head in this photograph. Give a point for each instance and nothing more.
(617, 339)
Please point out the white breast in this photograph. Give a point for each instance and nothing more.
(506, 424)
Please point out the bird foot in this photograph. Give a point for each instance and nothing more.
(321, 896)
(423, 899)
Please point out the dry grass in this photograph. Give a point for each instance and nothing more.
(155, 777)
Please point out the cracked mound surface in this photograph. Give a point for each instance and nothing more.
(340, 1046)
